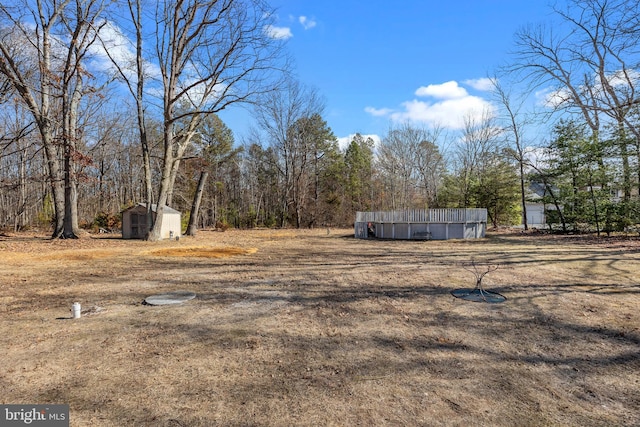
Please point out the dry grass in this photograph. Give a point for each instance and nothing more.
(310, 328)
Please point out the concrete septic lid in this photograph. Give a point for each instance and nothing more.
(177, 297)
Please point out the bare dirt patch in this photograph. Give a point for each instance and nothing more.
(202, 252)
(309, 328)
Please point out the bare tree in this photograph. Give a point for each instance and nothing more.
(396, 161)
(43, 48)
(590, 62)
(280, 115)
(430, 164)
(26, 61)
(19, 166)
(412, 165)
(211, 54)
(207, 55)
(480, 270)
(514, 121)
(609, 52)
(133, 70)
(476, 151)
(261, 174)
(110, 140)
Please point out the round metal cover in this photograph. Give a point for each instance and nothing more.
(478, 295)
(177, 297)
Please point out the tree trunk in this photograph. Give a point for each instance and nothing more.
(626, 170)
(172, 181)
(67, 231)
(73, 137)
(195, 206)
(523, 195)
(57, 184)
(22, 183)
(165, 182)
(135, 8)
(557, 206)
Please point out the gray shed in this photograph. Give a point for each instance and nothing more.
(135, 224)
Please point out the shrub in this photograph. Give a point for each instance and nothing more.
(107, 221)
(222, 226)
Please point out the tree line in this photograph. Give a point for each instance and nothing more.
(96, 117)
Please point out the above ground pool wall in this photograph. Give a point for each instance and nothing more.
(433, 224)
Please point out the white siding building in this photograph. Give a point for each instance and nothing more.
(136, 226)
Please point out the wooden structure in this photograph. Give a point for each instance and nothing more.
(422, 224)
(136, 226)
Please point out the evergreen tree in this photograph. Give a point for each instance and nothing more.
(358, 159)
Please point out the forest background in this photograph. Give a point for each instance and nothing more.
(88, 128)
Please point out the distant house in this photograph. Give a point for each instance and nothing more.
(543, 215)
(136, 226)
(536, 209)
(536, 217)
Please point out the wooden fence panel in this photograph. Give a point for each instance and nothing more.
(423, 224)
(425, 215)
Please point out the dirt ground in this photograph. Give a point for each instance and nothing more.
(316, 328)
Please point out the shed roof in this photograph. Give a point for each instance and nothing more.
(154, 208)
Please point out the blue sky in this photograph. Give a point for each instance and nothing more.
(377, 62)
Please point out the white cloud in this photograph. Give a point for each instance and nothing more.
(537, 156)
(621, 81)
(115, 46)
(284, 33)
(344, 141)
(553, 98)
(278, 32)
(446, 90)
(484, 84)
(449, 113)
(450, 105)
(623, 78)
(120, 48)
(378, 112)
(122, 51)
(307, 23)
(201, 93)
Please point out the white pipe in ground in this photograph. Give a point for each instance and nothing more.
(76, 310)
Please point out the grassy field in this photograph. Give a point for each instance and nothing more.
(316, 328)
